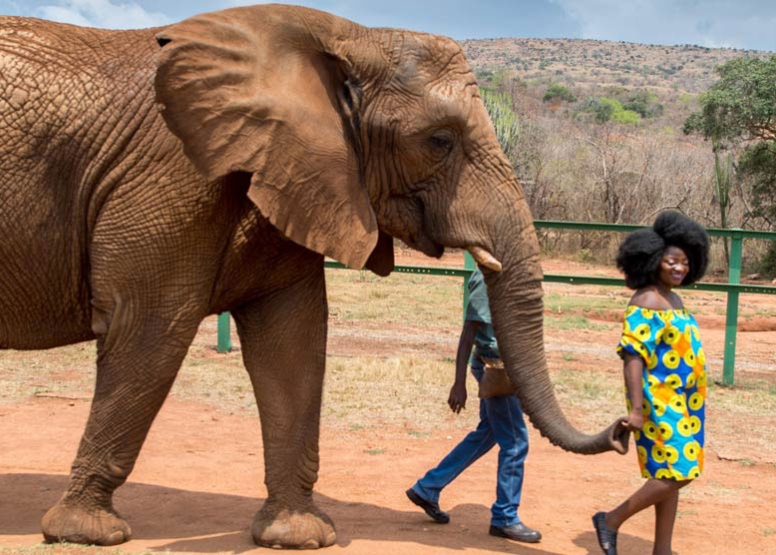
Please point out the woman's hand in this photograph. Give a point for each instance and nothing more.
(635, 420)
(457, 399)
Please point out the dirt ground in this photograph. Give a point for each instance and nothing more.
(199, 478)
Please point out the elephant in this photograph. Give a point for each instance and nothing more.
(151, 178)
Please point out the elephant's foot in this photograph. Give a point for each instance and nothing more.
(292, 529)
(91, 526)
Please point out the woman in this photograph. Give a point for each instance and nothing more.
(664, 368)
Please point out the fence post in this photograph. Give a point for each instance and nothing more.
(224, 337)
(731, 319)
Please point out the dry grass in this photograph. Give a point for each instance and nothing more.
(398, 378)
(422, 300)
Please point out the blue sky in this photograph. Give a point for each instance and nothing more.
(743, 24)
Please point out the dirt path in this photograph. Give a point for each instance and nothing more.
(183, 498)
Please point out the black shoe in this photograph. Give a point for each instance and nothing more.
(607, 538)
(432, 509)
(518, 532)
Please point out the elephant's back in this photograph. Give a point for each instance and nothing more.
(61, 74)
(64, 85)
(70, 51)
(76, 102)
(71, 46)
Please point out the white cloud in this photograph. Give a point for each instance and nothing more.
(103, 13)
(712, 23)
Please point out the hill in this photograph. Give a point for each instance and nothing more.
(601, 135)
(595, 63)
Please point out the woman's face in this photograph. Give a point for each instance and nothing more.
(673, 267)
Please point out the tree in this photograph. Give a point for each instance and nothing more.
(758, 161)
(738, 115)
(741, 106)
(722, 185)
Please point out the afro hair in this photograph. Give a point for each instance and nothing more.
(641, 251)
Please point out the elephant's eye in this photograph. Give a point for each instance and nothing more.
(441, 141)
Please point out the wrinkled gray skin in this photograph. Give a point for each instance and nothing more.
(151, 178)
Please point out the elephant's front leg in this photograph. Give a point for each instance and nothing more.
(137, 362)
(283, 337)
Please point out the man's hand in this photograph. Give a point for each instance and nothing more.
(457, 399)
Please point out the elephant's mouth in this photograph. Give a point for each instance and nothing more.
(419, 240)
(427, 246)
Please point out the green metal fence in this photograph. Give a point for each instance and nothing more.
(733, 288)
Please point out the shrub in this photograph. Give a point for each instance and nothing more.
(628, 117)
(767, 264)
(557, 91)
(606, 109)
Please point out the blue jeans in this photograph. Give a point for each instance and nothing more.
(502, 423)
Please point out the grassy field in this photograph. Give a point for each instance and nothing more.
(392, 343)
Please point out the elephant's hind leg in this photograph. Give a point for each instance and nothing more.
(283, 338)
(136, 365)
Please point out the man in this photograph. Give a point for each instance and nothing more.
(501, 422)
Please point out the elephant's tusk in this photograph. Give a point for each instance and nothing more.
(484, 258)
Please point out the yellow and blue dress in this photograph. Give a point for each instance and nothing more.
(670, 444)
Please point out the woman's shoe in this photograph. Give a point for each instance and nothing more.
(607, 538)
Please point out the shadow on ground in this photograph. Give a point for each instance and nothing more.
(202, 522)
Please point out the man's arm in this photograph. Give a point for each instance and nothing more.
(457, 398)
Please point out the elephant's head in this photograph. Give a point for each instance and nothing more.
(354, 135)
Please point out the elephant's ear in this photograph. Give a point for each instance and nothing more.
(257, 90)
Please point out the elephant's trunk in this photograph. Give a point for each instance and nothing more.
(518, 312)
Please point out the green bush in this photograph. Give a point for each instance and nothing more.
(610, 109)
(627, 117)
(604, 108)
(557, 91)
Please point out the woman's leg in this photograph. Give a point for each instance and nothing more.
(653, 492)
(665, 516)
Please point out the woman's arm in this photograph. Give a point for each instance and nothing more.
(633, 369)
